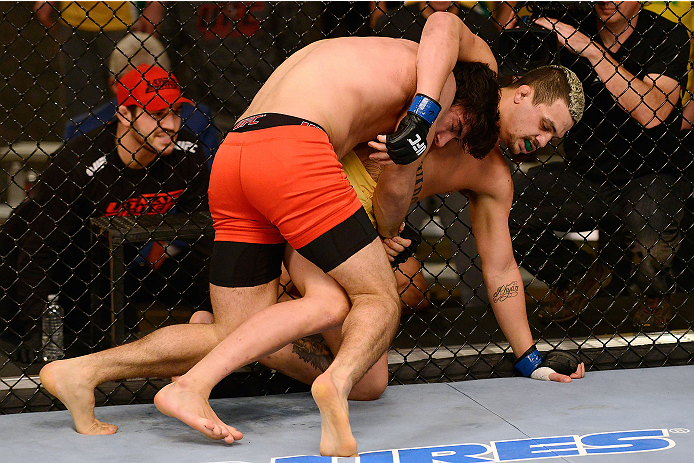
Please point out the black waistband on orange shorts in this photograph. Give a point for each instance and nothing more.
(268, 120)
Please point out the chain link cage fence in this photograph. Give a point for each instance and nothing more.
(601, 222)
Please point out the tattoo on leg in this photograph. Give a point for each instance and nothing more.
(314, 352)
(506, 291)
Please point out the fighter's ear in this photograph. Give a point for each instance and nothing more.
(522, 92)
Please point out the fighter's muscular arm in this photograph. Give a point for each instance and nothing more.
(393, 196)
(489, 217)
(394, 191)
(445, 41)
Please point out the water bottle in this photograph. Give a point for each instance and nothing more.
(52, 336)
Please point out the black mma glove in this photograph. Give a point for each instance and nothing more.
(561, 361)
(409, 141)
(413, 235)
(531, 364)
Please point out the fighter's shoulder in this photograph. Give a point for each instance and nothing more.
(348, 51)
(461, 171)
(493, 175)
(404, 45)
(375, 44)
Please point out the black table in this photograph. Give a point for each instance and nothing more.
(115, 232)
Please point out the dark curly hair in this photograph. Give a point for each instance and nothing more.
(477, 94)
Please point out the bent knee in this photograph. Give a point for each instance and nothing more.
(202, 317)
(335, 306)
(414, 296)
(372, 390)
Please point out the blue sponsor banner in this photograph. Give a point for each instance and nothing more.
(618, 442)
(529, 449)
(463, 453)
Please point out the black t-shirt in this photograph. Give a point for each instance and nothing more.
(609, 144)
(86, 179)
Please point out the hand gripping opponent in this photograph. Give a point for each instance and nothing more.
(409, 141)
(531, 364)
(409, 233)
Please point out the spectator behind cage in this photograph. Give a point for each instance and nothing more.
(141, 163)
(132, 51)
(223, 52)
(87, 32)
(621, 170)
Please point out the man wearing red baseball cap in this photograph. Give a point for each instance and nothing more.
(149, 103)
(149, 87)
(141, 163)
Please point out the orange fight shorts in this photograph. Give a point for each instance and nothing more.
(276, 179)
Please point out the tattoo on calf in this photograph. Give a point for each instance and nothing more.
(506, 291)
(314, 352)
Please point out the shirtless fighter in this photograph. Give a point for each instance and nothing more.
(278, 178)
(542, 105)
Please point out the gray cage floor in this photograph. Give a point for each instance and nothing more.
(640, 415)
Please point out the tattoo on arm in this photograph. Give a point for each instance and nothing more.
(506, 291)
(418, 182)
(314, 352)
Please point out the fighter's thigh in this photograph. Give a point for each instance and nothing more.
(318, 290)
(307, 277)
(367, 272)
(231, 306)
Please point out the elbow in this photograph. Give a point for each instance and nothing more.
(655, 118)
(654, 121)
(443, 17)
(449, 22)
(651, 123)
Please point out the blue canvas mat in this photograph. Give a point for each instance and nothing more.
(622, 416)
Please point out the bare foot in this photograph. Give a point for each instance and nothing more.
(67, 382)
(336, 434)
(189, 406)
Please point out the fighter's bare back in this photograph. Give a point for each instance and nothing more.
(353, 87)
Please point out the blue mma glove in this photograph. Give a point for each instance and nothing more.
(531, 364)
(409, 141)
(528, 362)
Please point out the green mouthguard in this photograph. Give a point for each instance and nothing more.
(528, 145)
